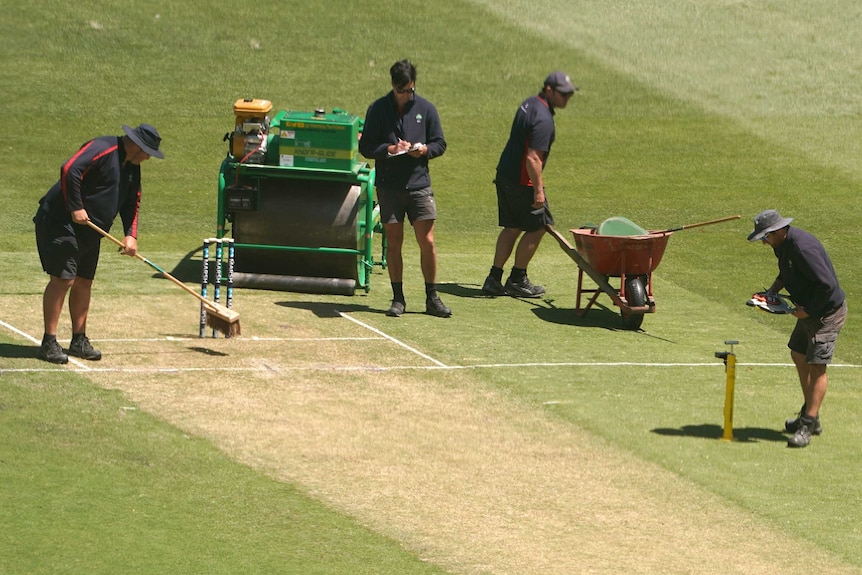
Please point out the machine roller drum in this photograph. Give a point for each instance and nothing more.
(301, 213)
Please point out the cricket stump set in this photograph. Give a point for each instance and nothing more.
(221, 248)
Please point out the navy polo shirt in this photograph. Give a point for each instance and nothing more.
(533, 127)
(806, 271)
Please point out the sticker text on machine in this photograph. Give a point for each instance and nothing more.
(315, 126)
(311, 155)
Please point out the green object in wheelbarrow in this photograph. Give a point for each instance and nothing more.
(620, 226)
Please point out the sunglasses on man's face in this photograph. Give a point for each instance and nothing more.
(409, 90)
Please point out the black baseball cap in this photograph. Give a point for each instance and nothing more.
(560, 82)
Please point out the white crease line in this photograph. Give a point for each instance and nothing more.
(369, 368)
(14, 329)
(244, 339)
(28, 337)
(438, 364)
(392, 339)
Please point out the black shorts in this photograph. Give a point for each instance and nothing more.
(67, 251)
(816, 336)
(395, 203)
(515, 208)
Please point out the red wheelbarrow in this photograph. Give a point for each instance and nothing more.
(631, 258)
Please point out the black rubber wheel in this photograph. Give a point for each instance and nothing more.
(636, 297)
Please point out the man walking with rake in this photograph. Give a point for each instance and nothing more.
(100, 181)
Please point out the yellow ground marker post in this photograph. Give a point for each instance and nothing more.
(730, 373)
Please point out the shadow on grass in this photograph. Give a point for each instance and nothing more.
(463, 290)
(712, 431)
(544, 308)
(327, 310)
(598, 316)
(18, 351)
(188, 269)
(207, 351)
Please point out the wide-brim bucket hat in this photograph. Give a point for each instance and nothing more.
(765, 222)
(147, 138)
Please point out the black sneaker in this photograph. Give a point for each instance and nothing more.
(80, 347)
(802, 437)
(792, 425)
(493, 286)
(396, 309)
(52, 352)
(435, 307)
(523, 288)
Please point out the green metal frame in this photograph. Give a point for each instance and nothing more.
(363, 175)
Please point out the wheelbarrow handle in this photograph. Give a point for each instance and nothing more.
(697, 225)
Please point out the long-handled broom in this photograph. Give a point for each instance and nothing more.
(219, 317)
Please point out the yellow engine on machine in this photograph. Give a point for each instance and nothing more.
(248, 140)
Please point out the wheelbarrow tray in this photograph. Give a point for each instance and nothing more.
(632, 312)
(618, 256)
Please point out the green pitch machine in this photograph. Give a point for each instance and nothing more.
(298, 201)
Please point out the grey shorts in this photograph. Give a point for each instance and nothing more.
(515, 208)
(66, 252)
(816, 336)
(395, 203)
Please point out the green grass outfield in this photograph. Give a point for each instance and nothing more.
(513, 438)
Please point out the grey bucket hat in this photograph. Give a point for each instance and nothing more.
(765, 222)
(147, 138)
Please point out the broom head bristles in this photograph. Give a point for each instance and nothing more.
(222, 319)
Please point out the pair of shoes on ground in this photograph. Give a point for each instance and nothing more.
(80, 346)
(433, 306)
(521, 288)
(802, 427)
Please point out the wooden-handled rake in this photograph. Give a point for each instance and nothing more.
(219, 317)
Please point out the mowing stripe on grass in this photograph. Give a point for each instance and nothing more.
(474, 480)
(785, 70)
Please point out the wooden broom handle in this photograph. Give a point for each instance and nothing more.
(151, 264)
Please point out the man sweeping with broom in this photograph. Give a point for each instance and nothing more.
(100, 181)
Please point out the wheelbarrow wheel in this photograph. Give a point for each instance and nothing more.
(636, 297)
